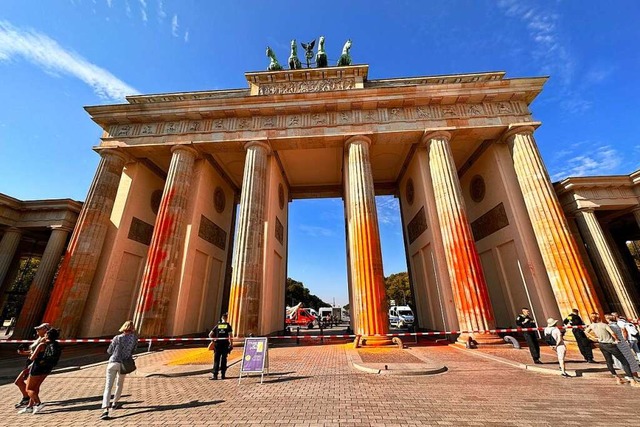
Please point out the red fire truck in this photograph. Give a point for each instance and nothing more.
(300, 316)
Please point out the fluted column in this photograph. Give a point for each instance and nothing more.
(608, 270)
(8, 246)
(636, 213)
(470, 292)
(569, 279)
(34, 304)
(71, 290)
(163, 262)
(367, 278)
(248, 260)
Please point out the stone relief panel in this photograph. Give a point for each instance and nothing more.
(334, 118)
(219, 200)
(306, 86)
(417, 225)
(477, 189)
(279, 231)
(156, 198)
(212, 233)
(490, 222)
(140, 231)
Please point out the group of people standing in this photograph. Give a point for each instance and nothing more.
(617, 339)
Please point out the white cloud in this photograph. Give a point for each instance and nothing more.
(47, 54)
(174, 26)
(603, 160)
(161, 13)
(388, 210)
(143, 9)
(127, 8)
(109, 3)
(186, 36)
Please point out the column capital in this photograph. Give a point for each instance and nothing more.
(114, 152)
(357, 138)
(64, 228)
(435, 134)
(517, 129)
(13, 230)
(262, 144)
(186, 148)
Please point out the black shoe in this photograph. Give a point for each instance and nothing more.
(537, 362)
(24, 402)
(213, 377)
(105, 415)
(116, 405)
(223, 376)
(591, 361)
(564, 374)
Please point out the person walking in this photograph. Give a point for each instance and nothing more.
(584, 344)
(221, 347)
(555, 338)
(607, 339)
(44, 358)
(21, 380)
(122, 347)
(524, 320)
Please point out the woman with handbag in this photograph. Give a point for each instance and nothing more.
(120, 364)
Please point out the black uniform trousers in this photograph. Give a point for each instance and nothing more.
(220, 353)
(584, 344)
(534, 346)
(609, 350)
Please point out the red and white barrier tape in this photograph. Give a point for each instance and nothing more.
(400, 334)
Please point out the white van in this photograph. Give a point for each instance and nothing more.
(401, 316)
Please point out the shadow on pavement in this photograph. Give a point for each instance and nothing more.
(284, 379)
(161, 408)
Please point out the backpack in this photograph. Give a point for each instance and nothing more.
(549, 339)
(51, 354)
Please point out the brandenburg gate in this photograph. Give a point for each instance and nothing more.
(187, 216)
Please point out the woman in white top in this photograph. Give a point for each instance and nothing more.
(21, 381)
(560, 347)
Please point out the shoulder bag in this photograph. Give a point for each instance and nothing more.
(127, 365)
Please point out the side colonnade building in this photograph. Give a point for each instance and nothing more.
(187, 216)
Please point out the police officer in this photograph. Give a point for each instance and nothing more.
(523, 320)
(222, 347)
(584, 344)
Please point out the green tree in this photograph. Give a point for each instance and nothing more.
(296, 292)
(398, 289)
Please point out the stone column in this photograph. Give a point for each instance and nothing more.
(71, 290)
(248, 252)
(636, 213)
(166, 245)
(569, 279)
(34, 304)
(365, 255)
(603, 259)
(470, 292)
(8, 246)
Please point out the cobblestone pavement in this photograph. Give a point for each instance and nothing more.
(316, 386)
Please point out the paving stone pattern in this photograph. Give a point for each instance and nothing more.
(316, 386)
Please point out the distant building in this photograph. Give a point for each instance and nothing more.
(484, 230)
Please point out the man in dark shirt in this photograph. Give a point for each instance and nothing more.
(584, 344)
(222, 333)
(531, 337)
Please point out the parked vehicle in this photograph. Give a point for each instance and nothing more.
(300, 316)
(401, 316)
(330, 316)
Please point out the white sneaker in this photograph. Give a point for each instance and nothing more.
(27, 410)
(37, 408)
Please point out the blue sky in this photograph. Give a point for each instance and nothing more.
(58, 56)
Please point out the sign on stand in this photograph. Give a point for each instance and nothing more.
(255, 357)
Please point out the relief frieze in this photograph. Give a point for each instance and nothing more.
(212, 233)
(417, 225)
(324, 85)
(333, 118)
(490, 222)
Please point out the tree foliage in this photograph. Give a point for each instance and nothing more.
(296, 292)
(398, 289)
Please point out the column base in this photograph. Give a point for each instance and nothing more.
(481, 339)
(375, 341)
